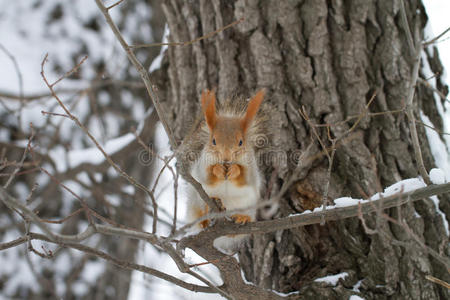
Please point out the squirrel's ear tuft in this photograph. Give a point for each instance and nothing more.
(209, 108)
(252, 109)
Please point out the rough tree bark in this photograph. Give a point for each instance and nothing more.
(330, 57)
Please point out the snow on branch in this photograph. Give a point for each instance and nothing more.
(344, 208)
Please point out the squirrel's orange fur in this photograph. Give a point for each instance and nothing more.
(227, 167)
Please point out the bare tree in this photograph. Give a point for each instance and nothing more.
(330, 58)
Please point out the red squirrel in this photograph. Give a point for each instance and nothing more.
(227, 167)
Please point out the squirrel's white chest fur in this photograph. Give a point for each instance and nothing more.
(232, 195)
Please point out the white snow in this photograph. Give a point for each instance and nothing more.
(113, 199)
(435, 200)
(156, 63)
(285, 294)
(355, 297)
(15, 265)
(332, 279)
(406, 185)
(437, 176)
(129, 189)
(438, 21)
(437, 146)
(437, 11)
(88, 155)
(92, 270)
(403, 186)
(357, 286)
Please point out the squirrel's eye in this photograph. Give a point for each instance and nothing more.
(240, 142)
(214, 142)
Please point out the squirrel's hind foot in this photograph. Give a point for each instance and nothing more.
(241, 219)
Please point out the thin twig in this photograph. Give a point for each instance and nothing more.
(367, 230)
(444, 260)
(438, 281)
(431, 127)
(428, 85)
(65, 218)
(82, 201)
(20, 78)
(91, 87)
(328, 179)
(350, 118)
(30, 194)
(175, 204)
(313, 128)
(156, 103)
(416, 54)
(425, 44)
(202, 264)
(330, 153)
(409, 37)
(86, 131)
(117, 262)
(114, 5)
(54, 114)
(67, 74)
(19, 166)
(206, 36)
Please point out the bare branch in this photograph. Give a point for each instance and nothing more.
(73, 214)
(114, 5)
(416, 54)
(438, 281)
(86, 131)
(433, 40)
(428, 85)
(155, 99)
(334, 214)
(54, 114)
(367, 230)
(409, 37)
(20, 79)
(101, 229)
(67, 74)
(116, 261)
(432, 128)
(444, 260)
(19, 166)
(82, 201)
(314, 130)
(94, 86)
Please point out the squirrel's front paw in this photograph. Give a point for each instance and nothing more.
(241, 219)
(204, 224)
(219, 171)
(200, 213)
(233, 171)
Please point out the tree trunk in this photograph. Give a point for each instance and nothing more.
(329, 57)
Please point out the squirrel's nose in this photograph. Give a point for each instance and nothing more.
(226, 156)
